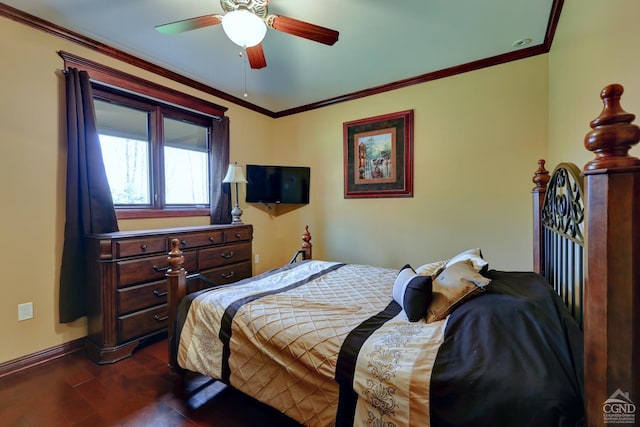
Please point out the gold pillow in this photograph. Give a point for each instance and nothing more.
(431, 269)
(454, 285)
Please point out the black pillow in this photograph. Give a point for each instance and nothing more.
(413, 293)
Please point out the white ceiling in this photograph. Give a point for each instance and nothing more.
(381, 41)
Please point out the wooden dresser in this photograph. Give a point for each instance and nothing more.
(127, 293)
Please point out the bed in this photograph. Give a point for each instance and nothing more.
(451, 342)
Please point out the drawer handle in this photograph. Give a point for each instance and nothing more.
(238, 236)
(212, 239)
(160, 319)
(227, 276)
(228, 255)
(159, 294)
(159, 269)
(183, 242)
(144, 247)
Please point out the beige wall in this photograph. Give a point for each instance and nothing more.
(466, 128)
(477, 139)
(596, 44)
(32, 172)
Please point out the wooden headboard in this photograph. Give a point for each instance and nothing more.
(611, 229)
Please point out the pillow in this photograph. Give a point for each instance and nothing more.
(431, 269)
(456, 284)
(474, 255)
(412, 292)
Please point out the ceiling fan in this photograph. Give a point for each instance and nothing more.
(245, 22)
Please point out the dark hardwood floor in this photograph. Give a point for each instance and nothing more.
(138, 391)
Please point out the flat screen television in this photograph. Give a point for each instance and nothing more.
(277, 184)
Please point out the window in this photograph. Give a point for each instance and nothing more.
(158, 157)
(182, 138)
(186, 163)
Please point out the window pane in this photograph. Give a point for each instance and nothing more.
(125, 151)
(186, 163)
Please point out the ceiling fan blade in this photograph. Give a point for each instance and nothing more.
(189, 24)
(255, 54)
(302, 29)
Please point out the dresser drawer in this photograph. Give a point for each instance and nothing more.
(135, 247)
(237, 234)
(136, 298)
(224, 275)
(142, 270)
(142, 322)
(229, 254)
(127, 284)
(194, 240)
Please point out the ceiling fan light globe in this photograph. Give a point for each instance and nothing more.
(244, 28)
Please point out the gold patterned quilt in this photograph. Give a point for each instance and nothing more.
(281, 336)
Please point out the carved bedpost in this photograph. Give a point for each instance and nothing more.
(176, 290)
(612, 288)
(306, 243)
(540, 178)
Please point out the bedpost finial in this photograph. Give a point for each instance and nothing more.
(541, 177)
(175, 258)
(306, 243)
(306, 236)
(613, 133)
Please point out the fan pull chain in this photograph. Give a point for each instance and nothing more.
(245, 94)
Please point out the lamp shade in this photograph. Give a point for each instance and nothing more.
(244, 28)
(235, 175)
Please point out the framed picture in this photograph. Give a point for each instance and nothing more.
(378, 156)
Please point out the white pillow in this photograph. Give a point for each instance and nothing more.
(473, 255)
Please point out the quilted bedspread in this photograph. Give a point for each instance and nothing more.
(279, 339)
(325, 343)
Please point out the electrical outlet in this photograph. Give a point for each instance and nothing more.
(256, 258)
(25, 311)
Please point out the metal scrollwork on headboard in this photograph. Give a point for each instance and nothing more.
(563, 209)
(563, 225)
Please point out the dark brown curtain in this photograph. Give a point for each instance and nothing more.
(220, 192)
(89, 204)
